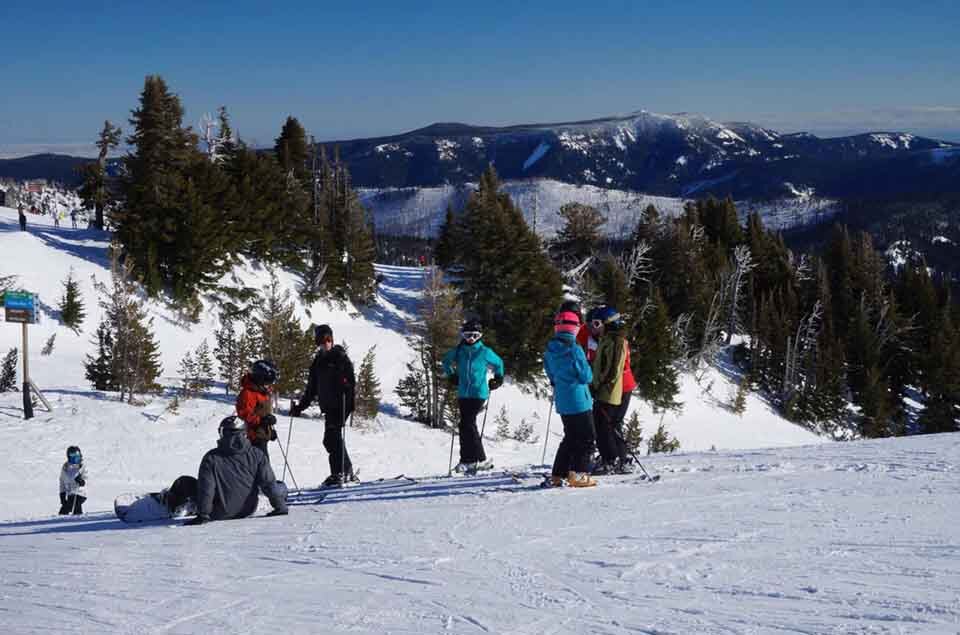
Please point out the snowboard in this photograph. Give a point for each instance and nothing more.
(142, 508)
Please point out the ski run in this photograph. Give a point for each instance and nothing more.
(756, 526)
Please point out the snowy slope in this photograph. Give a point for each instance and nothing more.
(819, 537)
(419, 211)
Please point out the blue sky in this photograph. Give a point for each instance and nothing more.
(371, 68)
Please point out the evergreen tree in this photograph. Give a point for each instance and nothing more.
(47, 349)
(447, 248)
(292, 151)
(188, 372)
(232, 352)
(71, 304)
(204, 368)
(99, 369)
(661, 441)
(280, 337)
(502, 426)
(942, 408)
(368, 388)
(134, 355)
(579, 232)
(633, 433)
(8, 371)
(524, 431)
(507, 282)
(95, 192)
(739, 405)
(654, 357)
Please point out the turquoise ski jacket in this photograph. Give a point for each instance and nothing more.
(470, 362)
(569, 371)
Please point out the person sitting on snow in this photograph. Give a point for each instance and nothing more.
(232, 475)
(73, 481)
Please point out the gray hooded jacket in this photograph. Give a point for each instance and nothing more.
(230, 477)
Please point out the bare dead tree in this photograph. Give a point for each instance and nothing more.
(798, 347)
(743, 265)
(636, 263)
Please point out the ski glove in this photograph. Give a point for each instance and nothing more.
(454, 380)
(278, 512)
(199, 520)
(496, 382)
(79, 481)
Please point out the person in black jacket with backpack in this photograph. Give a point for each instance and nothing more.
(331, 384)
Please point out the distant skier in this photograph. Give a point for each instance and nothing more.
(23, 218)
(254, 403)
(466, 367)
(231, 476)
(569, 373)
(611, 387)
(57, 215)
(73, 217)
(332, 384)
(73, 482)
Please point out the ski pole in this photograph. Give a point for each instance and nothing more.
(620, 438)
(484, 426)
(450, 463)
(289, 433)
(343, 436)
(546, 437)
(286, 468)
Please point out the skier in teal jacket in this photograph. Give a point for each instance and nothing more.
(467, 366)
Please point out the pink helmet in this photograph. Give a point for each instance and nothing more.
(566, 322)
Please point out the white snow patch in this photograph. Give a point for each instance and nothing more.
(536, 155)
(386, 148)
(589, 175)
(895, 142)
(941, 239)
(681, 160)
(446, 149)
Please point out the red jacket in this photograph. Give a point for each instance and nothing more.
(590, 348)
(253, 402)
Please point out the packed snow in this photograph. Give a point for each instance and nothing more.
(803, 536)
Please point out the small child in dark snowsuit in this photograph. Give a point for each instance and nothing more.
(73, 481)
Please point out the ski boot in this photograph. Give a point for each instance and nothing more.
(466, 468)
(580, 479)
(552, 481)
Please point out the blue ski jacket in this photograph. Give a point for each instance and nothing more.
(569, 372)
(470, 362)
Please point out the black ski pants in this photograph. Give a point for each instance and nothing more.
(576, 448)
(182, 490)
(608, 420)
(335, 444)
(471, 445)
(72, 504)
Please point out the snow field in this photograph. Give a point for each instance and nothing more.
(822, 537)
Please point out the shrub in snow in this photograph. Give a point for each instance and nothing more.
(71, 304)
(661, 441)
(8, 372)
(633, 434)
(524, 431)
(48, 346)
(368, 389)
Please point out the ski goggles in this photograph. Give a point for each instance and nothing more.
(596, 323)
(471, 336)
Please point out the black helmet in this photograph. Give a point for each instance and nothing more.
(74, 455)
(264, 372)
(471, 324)
(573, 306)
(322, 332)
(231, 425)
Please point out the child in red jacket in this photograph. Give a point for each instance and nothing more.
(254, 403)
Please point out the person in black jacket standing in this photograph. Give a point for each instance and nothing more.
(331, 384)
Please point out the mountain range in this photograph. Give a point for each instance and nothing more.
(678, 155)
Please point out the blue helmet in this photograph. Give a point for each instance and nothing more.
(608, 316)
